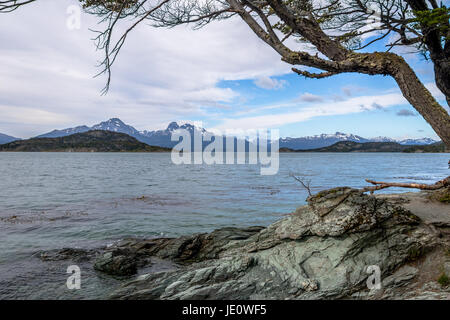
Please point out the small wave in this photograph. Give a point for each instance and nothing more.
(269, 189)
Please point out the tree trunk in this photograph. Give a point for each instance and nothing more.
(382, 185)
(421, 99)
(442, 77)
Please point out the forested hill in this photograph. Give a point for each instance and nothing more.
(91, 141)
(350, 146)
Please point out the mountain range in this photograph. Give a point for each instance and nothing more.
(162, 138)
(4, 138)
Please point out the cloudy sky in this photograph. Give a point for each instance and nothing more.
(221, 75)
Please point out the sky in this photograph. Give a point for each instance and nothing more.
(221, 75)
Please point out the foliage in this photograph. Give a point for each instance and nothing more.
(436, 19)
(443, 280)
(113, 5)
(437, 147)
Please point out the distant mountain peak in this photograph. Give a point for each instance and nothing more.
(173, 126)
(114, 121)
(187, 126)
(115, 125)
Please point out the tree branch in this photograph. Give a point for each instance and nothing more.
(314, 75)
(305, 184)
(11, 5)
(383, 185)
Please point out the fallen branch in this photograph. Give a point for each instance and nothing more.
(383, 185)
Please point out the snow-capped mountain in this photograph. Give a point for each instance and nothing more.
(409, 142)
(115, 125)
(173, 126)
(4, 138)
(64, 132)
(382, 139)
(319, 141)
(325, 140)
(162, 138)
(413, 142)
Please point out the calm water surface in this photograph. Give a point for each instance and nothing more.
(87, 200)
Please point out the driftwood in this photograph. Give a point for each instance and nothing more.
(383, 185)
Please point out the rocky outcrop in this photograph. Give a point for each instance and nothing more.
(324, 250)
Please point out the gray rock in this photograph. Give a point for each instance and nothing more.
(401, 277)
(124, 257)
(119, 262)
(447, 268)
(321, 251)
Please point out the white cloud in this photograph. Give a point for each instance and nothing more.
(350, 90)
(32, 116)
(308, 97)
(269, 83)
(161, 75)
(352, 105)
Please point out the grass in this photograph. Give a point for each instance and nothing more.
(414, 253)
(445, 198)
(443, 280)
(442, 195)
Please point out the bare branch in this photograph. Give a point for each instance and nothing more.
(306, 184)
(104, 38)
(314, 75)
(11, 5)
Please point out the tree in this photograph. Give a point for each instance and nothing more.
(330, 35)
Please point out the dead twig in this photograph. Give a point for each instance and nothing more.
(306, 184)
